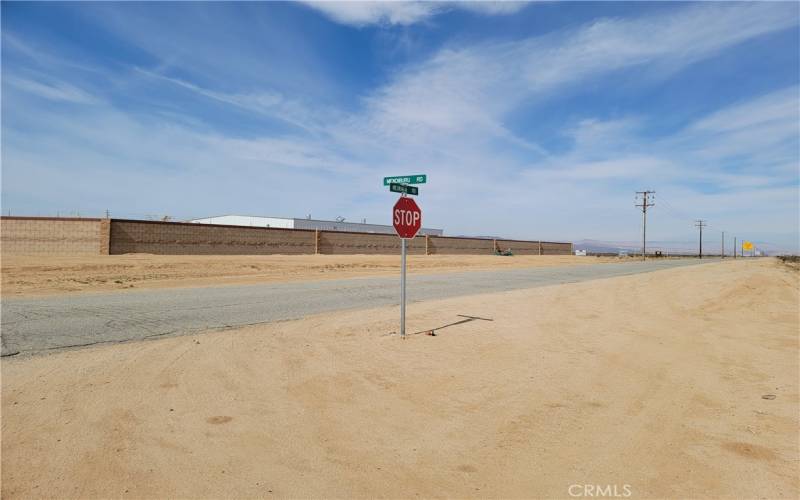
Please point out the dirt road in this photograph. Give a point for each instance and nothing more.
(681, 383)
(47, 275)
(53, 322)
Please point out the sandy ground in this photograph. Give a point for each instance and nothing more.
(658, 384)
(28, 275)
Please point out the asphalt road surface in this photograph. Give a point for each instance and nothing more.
(31, 325)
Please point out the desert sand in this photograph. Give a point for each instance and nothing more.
(680, 383)
(30, 275)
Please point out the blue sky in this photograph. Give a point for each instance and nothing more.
(532, 120)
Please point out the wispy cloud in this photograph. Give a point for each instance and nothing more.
(760, 134)
(776, 108)
(269, 103)
(54, 91)
(363, 13)
(493, 7)
(475, 86)
(451, 115)
(671, 41)
(451, 110)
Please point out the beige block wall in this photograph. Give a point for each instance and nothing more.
(341, 243)
(466, 246)
(44, 235)
(174, 238)
(521, 247)
(105, 236)
(552, 248)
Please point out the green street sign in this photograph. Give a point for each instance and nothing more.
(402, 188)
(406, 179)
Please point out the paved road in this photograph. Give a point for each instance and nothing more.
(30, 325)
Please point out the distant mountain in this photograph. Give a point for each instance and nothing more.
(669, 247)
(595, 246)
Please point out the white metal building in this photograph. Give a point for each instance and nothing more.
(287, 223)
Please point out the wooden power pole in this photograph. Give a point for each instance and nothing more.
(646, 199)
(700, 224)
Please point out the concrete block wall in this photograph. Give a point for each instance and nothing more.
(105, 236)
(552, 248)
(52, 235)
(521, 247)
(341, 243)
(178, 238)
(465, 246)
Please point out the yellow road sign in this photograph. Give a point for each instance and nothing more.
(747, 245)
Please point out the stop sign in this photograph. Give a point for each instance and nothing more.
(406, 217)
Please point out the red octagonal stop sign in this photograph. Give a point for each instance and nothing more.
(406, 217)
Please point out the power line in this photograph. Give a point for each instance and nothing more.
(674, 212)
(644, 205)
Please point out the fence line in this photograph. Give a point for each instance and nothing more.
(58, 235)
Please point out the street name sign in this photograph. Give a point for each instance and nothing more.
(402, 188)
(406, 179)
(406, 218)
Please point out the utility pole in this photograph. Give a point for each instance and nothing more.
(734, 247)
(645, 203)
(723, 244)
(700, 224)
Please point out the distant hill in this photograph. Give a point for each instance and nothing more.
(668, 247)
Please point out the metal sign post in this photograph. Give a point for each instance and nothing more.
(407, 221)
(402, 288)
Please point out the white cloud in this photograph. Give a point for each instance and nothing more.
(492, 7)
(362, 13)
(764, 130)
(499, 74)
(54, 91)
(569, 196)
(264, 102)
(670, 40)
(43, 59)
(627, 168)
(779, 107)
(447, 116)
(392, 12)
(473, 87)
